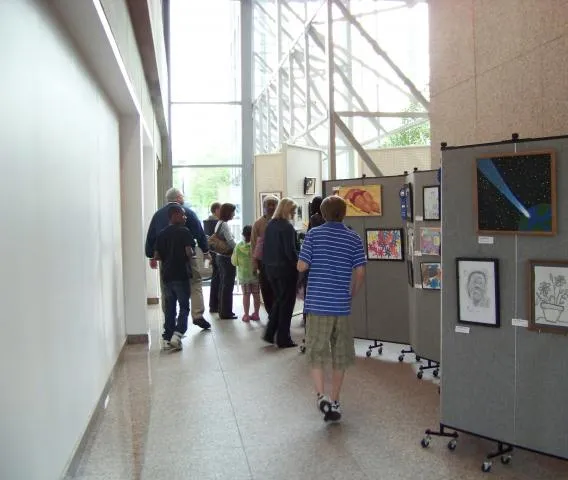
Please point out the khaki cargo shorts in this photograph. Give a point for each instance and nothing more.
(329, 337)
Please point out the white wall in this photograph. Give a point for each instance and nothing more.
(395, 161)
(62, 321)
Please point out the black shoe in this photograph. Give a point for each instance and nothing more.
(230, 317)
(201, 322)
(267, 338)
(213, 310)
(288, 345)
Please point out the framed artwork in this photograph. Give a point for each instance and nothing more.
(431, 202)
(430, 241)
(516, 193)
(407, 195)
(549, 296)
(478, 291)
(410, 272)
(431, 275)
(263, 195)
(309, 186)
(362, 201)
(384, 244)
(410, 242)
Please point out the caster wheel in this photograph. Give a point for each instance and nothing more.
(418, 358)
(400, 358)
(425, 442)
(380, 350)
(452, 444)
(506, 459)
(436, 373)
(420, 374)
(368, 353)
(302, 349)
(486, 466)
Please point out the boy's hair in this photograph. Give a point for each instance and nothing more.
(247, 232)
(175, 209)
(333, 209)
(227, 210)
(214, 206)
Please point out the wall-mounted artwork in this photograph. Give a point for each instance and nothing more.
(362, 201)
(549, 296)
(430, 241)
(431, 201)
(410, 272)
(263, 195)
(309, 186)
(410, 241)
(384, 244)
(431, 275)
(516, 193)
(407, 194)
(478, 291)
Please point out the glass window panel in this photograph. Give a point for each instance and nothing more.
(205, 50)
(204, 185)
(206, 134)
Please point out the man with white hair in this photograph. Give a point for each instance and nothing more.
(160, 220)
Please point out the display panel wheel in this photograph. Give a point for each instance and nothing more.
(486, 466)
(420, 374)
(400, 358)
(425, 442)
(302, 349)
(418, 358)
(368, 353)
(436, 373)
(380, 350)
(452, 444)
(506, 459)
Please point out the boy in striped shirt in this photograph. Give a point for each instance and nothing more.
(336, 260)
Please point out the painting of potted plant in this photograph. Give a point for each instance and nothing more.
(549, 296)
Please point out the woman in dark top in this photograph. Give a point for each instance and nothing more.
(316, 218)
(280, 258)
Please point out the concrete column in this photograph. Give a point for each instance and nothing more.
(150, 166)
(247, 112)
(133, 234)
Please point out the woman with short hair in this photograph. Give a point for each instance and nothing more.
(227, 271)
(279, 258)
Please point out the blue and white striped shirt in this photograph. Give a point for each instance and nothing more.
(332, 251)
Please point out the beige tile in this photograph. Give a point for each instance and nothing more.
(452, 52)
(555, 86)
(543, 21)
(490, 95)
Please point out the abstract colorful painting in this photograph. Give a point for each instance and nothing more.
(362, 201)
(516, 193)
(430, 241)
(431, 276)
(384, 244)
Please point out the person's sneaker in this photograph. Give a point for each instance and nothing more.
(165, 344)
(175, 342)
(323, 403)
(334, 414)
(246, 318)
(201, 322)
(255, 317)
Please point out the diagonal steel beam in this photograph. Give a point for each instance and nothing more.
(357, 146)
(383, 54)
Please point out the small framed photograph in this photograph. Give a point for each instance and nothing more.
(410, 241)
(431, 273)
(430, 241)
(431, 198)
(309, 186)
(549, 296)
(384, 244)
(407, 194)
(478, 291)
(263, 195)
(410, 272)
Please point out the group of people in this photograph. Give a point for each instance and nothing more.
(330, 265)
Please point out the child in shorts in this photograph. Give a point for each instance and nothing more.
(248, 279)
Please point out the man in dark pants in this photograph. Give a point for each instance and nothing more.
(159, 222)
(174, 250)
(209, 227)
